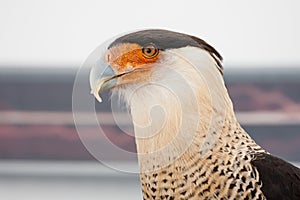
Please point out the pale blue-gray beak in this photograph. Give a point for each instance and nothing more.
(102, 78)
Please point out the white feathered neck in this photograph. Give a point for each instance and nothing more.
(182, 107)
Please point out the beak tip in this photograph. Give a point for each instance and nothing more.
(105, 82)
(99, 99)
(96, 95)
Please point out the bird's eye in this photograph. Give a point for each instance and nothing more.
(150, 51)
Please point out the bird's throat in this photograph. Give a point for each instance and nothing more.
(169, 129)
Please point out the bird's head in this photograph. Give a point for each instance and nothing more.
(179, 74)
(154, 57)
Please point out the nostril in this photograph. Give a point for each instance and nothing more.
(107, 57)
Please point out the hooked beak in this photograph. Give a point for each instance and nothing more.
(102, 78)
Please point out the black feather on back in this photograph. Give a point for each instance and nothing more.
(280, 179)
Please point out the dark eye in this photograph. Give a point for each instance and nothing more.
(150, 51)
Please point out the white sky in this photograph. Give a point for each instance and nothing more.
(64, 32)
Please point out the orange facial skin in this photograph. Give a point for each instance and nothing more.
(127, 57)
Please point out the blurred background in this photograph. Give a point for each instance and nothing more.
(42, 46)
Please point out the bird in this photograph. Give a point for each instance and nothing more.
(189, 142)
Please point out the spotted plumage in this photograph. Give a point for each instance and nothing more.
(226, 172)
(192, 146)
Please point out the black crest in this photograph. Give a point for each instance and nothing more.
(164, 39)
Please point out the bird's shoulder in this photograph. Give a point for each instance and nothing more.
(280, 179)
